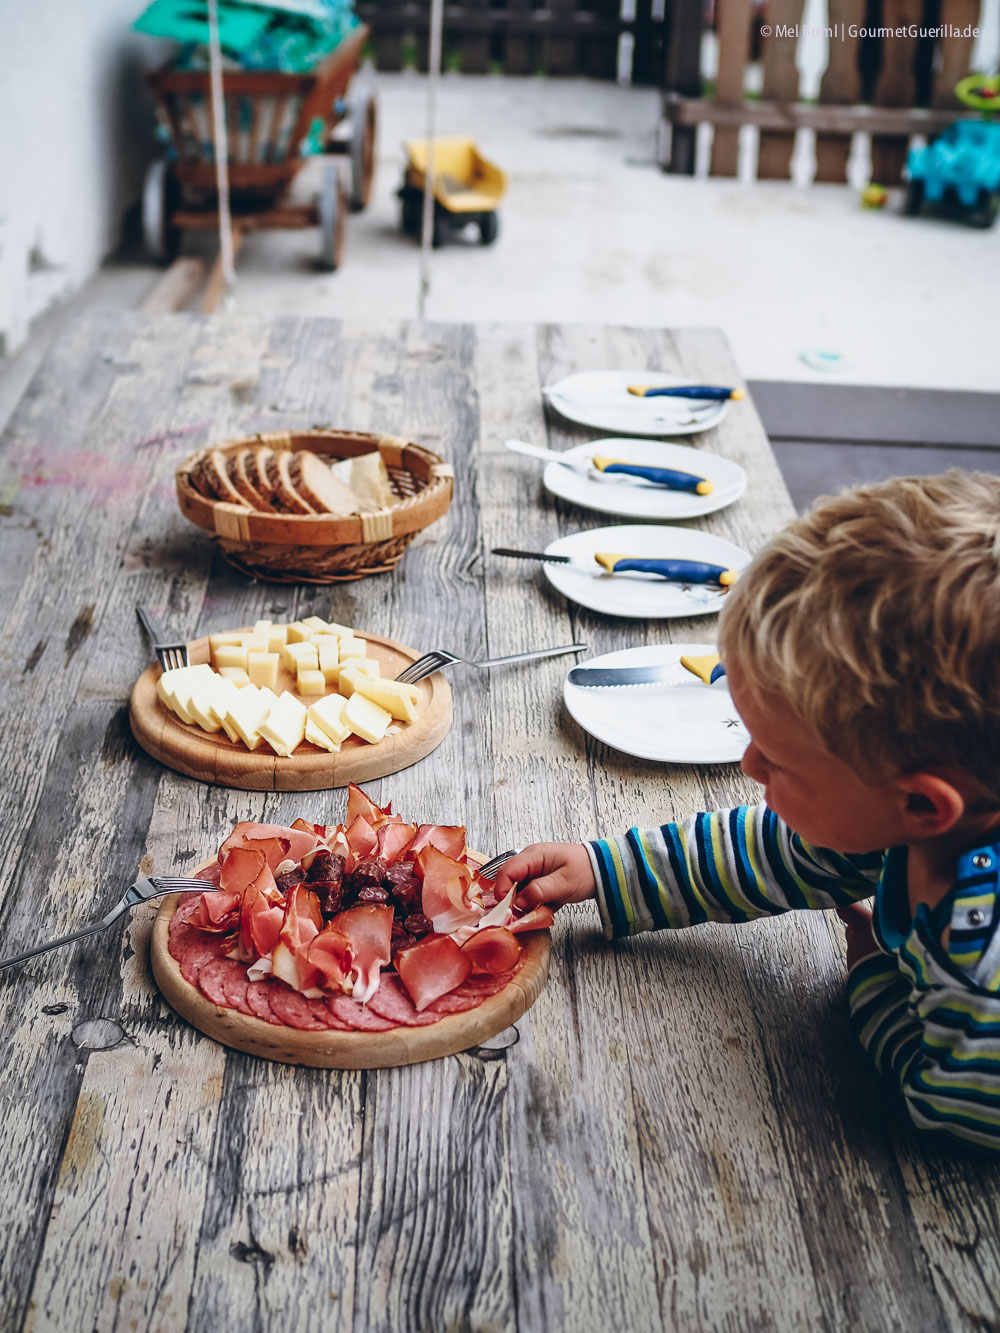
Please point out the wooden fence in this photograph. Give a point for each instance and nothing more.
(892, 67)
(566, 37)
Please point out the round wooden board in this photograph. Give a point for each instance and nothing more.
(215, 758)
(348, 1050)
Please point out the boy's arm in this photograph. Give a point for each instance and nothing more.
(940, 1046)
(733, 865)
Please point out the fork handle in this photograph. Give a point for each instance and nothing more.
(56, 944)
(530, 657)
(150, 626)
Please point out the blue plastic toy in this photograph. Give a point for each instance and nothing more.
(962, 165)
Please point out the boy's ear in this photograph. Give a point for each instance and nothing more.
(932, 804)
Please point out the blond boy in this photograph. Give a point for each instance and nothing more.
(863, 653)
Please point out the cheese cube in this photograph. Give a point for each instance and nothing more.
(262, 668)
(255, 643)
(299, 632)
(285, 725)
(277, 637)
(247, 711)
(353, 668)
(352, 647)
(399, 699)
(310, 681)
(263, 627)
(341, 631)
(233, 636)
(317, 736)
(296, 655)
(367, 719)
(230, 655)
(328, 715)
(316, 623)
(329, 661)
(235, 674)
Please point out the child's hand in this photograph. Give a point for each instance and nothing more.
(548, 872)
(861, 943)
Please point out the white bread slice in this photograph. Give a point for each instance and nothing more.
(315, 482)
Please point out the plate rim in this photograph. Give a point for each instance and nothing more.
(652, 376)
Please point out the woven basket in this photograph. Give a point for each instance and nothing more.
(320, 548)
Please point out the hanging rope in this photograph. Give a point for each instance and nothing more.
(427, 224)
(221, 142)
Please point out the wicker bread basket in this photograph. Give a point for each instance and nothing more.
(322, 548)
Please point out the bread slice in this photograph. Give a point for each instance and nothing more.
(286, 497)
(213, 479)
(257, 470)
(240, 476)
(319, 487)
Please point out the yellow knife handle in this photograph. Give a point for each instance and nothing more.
(702, 667)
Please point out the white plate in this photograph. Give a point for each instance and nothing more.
(672, 724)
(641, 499)
(642, 596)
(600, 398)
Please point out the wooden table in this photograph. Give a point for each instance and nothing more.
(682, 1133)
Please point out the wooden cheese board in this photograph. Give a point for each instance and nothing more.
(213, 757)
(348, 1050)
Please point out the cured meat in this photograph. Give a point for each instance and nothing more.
(332, 956)
(303, 922)
(431, 968)
(446, 891)
(447, 838)
(357, 1016)
(358, 803)
(539, 918)
(293, 1009)
(392, 1001)
(492, 950)
(369, 932)
(224, 982)
(394, 839)
(236, 984)
(258, 998)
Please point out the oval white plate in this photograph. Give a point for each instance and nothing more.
(638, 499)
(686, 723)
(642, 596)
(600, 398)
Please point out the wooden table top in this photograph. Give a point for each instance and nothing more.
(681, 1133)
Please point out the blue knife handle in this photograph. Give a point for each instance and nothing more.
(678, 571)
(689, 391)
(662, 476)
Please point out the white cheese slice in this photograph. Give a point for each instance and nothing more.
(285, 725)
(328, 715)
(399, 699)
(317, 736)
(182, 688)
(368, 720)
(351, 670)
(247, 711)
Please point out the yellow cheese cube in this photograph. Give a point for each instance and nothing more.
(299, 632)
(328, 715)
(230, 655)
(366, 718)
(316, 623)
(300, 655)
(285, 725)
(399, 699)
(229, 637)
(317, 736)
(235, 674)
(310, 681)
(352, 647)
(255, 643)
(329, 661)
(262, 668)
(277, 637)
(263, 627)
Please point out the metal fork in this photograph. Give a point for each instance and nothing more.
(169, 655)
(440, 658)
(142, 891)
(489, 868)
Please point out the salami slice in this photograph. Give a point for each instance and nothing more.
(392, 1001)
(224, 982)
(455, 1002)
(259, 1000)
(236, 983)
(196, 952)
(483, 986)
(357, 1016)
(293, 1009)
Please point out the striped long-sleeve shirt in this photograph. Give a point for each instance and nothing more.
(927, 1012)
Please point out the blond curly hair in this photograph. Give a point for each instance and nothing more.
(876, 618)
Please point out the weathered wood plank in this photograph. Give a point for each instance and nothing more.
(841, 83)
(781, 85)
(734, 51)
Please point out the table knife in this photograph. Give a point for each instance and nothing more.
(588, 677)
(668, 477)
(676, 571)
(714, 392)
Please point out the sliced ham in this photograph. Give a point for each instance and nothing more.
(394, 838)
(330, 953)
(539, 918)
(369, 931)
(445, 895)
(492, 950)
(447, 838)
(360, 804)
(303, 922)
(361, 838)
(431, 968)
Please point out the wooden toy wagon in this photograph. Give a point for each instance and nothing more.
(467, 189)
(270, 116)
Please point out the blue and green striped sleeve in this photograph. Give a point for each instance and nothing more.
(733, 865)
(939, 1046)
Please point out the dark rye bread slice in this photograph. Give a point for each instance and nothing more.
(318, 486)
(211, 478)
(240, 476)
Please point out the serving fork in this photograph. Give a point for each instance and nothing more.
(169, 655)
(142, 891)
(440, 658)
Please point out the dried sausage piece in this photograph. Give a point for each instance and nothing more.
(330, 894)
(288, 879)
(392, 1001)
(357, 1015)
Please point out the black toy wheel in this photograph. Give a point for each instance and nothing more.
(411, 207)
(489, 229)
(985, 211)
(159, 199)
(914, 198)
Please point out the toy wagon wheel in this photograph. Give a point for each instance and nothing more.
(364, 123)
(489, 228)
(914, 198)
(985, 212)
(332, 206)
(159, 194)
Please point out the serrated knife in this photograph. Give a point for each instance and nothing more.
(599, 468)
(588, 677)
(675, 571)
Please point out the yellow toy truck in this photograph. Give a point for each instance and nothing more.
(467, 189)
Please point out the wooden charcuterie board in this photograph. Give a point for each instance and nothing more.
(348, 1050)
(215, 758)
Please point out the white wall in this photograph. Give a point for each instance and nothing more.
(75, 134)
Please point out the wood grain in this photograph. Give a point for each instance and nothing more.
(213, 757)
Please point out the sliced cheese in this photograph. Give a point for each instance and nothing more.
(183, 687)
(285, 725)
(351, 670)
(367, 719)
(328, 715)
(235, 674)
(226, 694)
(200, 704)
(399, 699)
(317, 736)
(247, 711)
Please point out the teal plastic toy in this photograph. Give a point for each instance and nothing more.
(962, 165)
